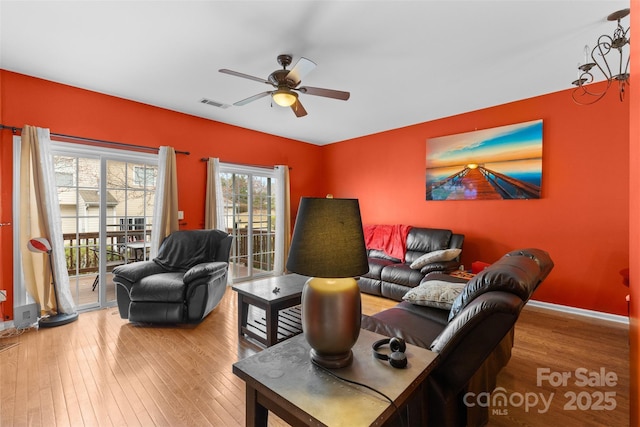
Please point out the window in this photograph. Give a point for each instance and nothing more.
(64, 179)
(144, 176)
(65, 168)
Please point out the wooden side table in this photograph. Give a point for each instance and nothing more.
(273, 295)
(282, 379)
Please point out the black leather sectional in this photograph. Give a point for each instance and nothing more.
(473, 338)
(392, 278)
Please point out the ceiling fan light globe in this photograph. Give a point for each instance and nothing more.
(284, 98)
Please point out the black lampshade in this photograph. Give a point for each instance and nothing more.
(328, 240)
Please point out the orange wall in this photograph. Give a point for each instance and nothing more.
(6, 308)
(582, 219)
(634, 225)
(72, 111)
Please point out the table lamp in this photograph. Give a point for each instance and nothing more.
(328, 245)
(42, 245)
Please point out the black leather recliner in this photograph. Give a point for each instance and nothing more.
(473, 339)
(183, 284)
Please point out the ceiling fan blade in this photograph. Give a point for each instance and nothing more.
(327, 93)
(244, 76)
(298, 109)
(252, 98)
(301, 69)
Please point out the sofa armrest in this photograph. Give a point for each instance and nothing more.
(471, 336)
(135, 271)
(442, 266)
(206, 269)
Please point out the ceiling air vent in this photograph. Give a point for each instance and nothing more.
(214, 103)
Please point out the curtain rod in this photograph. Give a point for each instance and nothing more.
(15, 129)
(206, 159)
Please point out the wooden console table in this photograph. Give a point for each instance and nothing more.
(283, 380)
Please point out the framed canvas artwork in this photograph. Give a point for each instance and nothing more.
(490, 164)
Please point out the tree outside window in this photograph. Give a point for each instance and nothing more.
(144, 176)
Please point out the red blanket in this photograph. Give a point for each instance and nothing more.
(392, 239)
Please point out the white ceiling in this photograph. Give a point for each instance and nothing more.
(404, 62)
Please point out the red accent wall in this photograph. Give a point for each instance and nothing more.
(582, 219)
(6, 308)
(634, 225)
(72, 111)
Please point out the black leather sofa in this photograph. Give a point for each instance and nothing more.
(392, 278)
(183, 284)
(474, 338)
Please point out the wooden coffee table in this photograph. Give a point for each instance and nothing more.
(278, 298)
(282, 379)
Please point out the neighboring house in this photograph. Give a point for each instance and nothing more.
(129, 199)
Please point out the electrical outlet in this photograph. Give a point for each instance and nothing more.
(3, 295)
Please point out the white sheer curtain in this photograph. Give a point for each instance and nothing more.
(40, 210)
(165, 208)
(214, 202)
(283, 219)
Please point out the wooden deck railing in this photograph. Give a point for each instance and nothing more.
(263, 243)
(82, 249)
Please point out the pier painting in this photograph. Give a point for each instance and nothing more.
(490, 164)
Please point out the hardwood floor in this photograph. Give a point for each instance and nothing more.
(593, 355)
(102, 370)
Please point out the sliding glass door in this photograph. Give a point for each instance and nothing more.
(250, 215)
(106, 201)
(109, 220)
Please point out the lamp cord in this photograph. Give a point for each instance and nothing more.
(333, 374)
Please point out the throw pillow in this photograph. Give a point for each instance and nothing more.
(435, 256)
(435, 293)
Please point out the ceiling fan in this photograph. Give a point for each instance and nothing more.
(287, 84)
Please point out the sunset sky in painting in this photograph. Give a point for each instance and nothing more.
(519, 142)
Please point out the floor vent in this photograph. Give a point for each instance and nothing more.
(214, 103)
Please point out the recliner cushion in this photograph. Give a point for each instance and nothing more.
(183, 249)
(518, 275)
(541, 257)
(395, 322)
(134, 271)
(376, 253)
(369, 285)
(204, 270)
(435, 314)
(376, 265)
(423, 240)
(401, 274)
(163, 287)
(392, 290)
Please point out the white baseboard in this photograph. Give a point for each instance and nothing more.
(580, 311)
